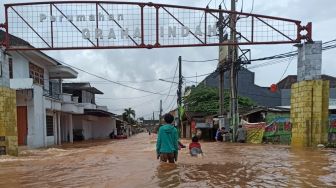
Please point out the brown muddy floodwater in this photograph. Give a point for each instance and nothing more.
(132, 163)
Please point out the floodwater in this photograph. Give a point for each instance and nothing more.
(132, 163)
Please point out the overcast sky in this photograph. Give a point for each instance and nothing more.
(135, 65)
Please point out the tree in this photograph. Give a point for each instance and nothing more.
(206, 99)
(128, 114)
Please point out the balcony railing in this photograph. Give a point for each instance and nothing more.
(52, 94)
(53, 91)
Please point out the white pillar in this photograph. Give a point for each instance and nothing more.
(55, 127)
(309, 61)
(4, 69)
(70, 128)
(59, 128)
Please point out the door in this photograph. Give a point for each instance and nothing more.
(22, 126)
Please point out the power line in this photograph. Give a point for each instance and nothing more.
(136, 105)
(289, 62)
(252, 6)
(223, 2)
(199, 61)
(124, 81)
(138, 97)
(295, 52)
(117, 83)
(279, 56)
(206, 74)
(171, 85)
(171, 103)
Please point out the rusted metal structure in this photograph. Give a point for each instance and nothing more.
(68, 25)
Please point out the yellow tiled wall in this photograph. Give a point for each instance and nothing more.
(309, 112)
(8, 127)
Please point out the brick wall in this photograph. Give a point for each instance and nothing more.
(309, 112)
(8, 127)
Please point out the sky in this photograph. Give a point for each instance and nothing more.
(142, 68)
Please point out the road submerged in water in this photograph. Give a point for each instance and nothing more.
(132, 163)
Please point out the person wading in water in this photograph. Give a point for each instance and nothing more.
(167, 141)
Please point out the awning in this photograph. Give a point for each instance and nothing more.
(70, 87)
(99, 113)
(61, 71)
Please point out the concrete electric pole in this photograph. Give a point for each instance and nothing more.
(153, 122)
(160, 116)
(221, 62)
(179, 94)
(233, 71)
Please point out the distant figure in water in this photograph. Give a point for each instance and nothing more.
(195, 147)
(219, 134)
(241, 134)
(167, 141)
(149, 132)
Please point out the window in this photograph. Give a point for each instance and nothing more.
(50, 125)
(10, 63)
(36, 73)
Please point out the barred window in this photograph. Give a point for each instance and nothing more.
(36, 73)
(10, 63)
(50, 125)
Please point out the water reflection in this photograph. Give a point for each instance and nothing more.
(168, 175)
(132, 163)
(312, 168)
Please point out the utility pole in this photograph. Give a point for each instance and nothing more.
(160, 116)
(153, 122)
(221, 62)
(179, 94)
(233, 71)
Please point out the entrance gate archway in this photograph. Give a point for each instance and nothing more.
(69, 25)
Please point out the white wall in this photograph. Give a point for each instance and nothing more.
(65, 124)
(21, 68)
(21, 100)
(36, 119)
(50, 140)
(103, 127)
(52, 104)
(87, 129)
(94, 127)
(81, 122)
(66, 127)
(77, 121)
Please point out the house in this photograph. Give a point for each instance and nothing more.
(96, 122)
(46, 115)
(262, 96)
(198, 123)
(151, 125)
(37, 79)
(284, 86)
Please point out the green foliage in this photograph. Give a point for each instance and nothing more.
(206, 99)
(128, 114)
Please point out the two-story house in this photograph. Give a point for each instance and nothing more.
(37, 79)
(96, 122)
(45, 114)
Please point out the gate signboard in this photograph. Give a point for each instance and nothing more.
(109, 24)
